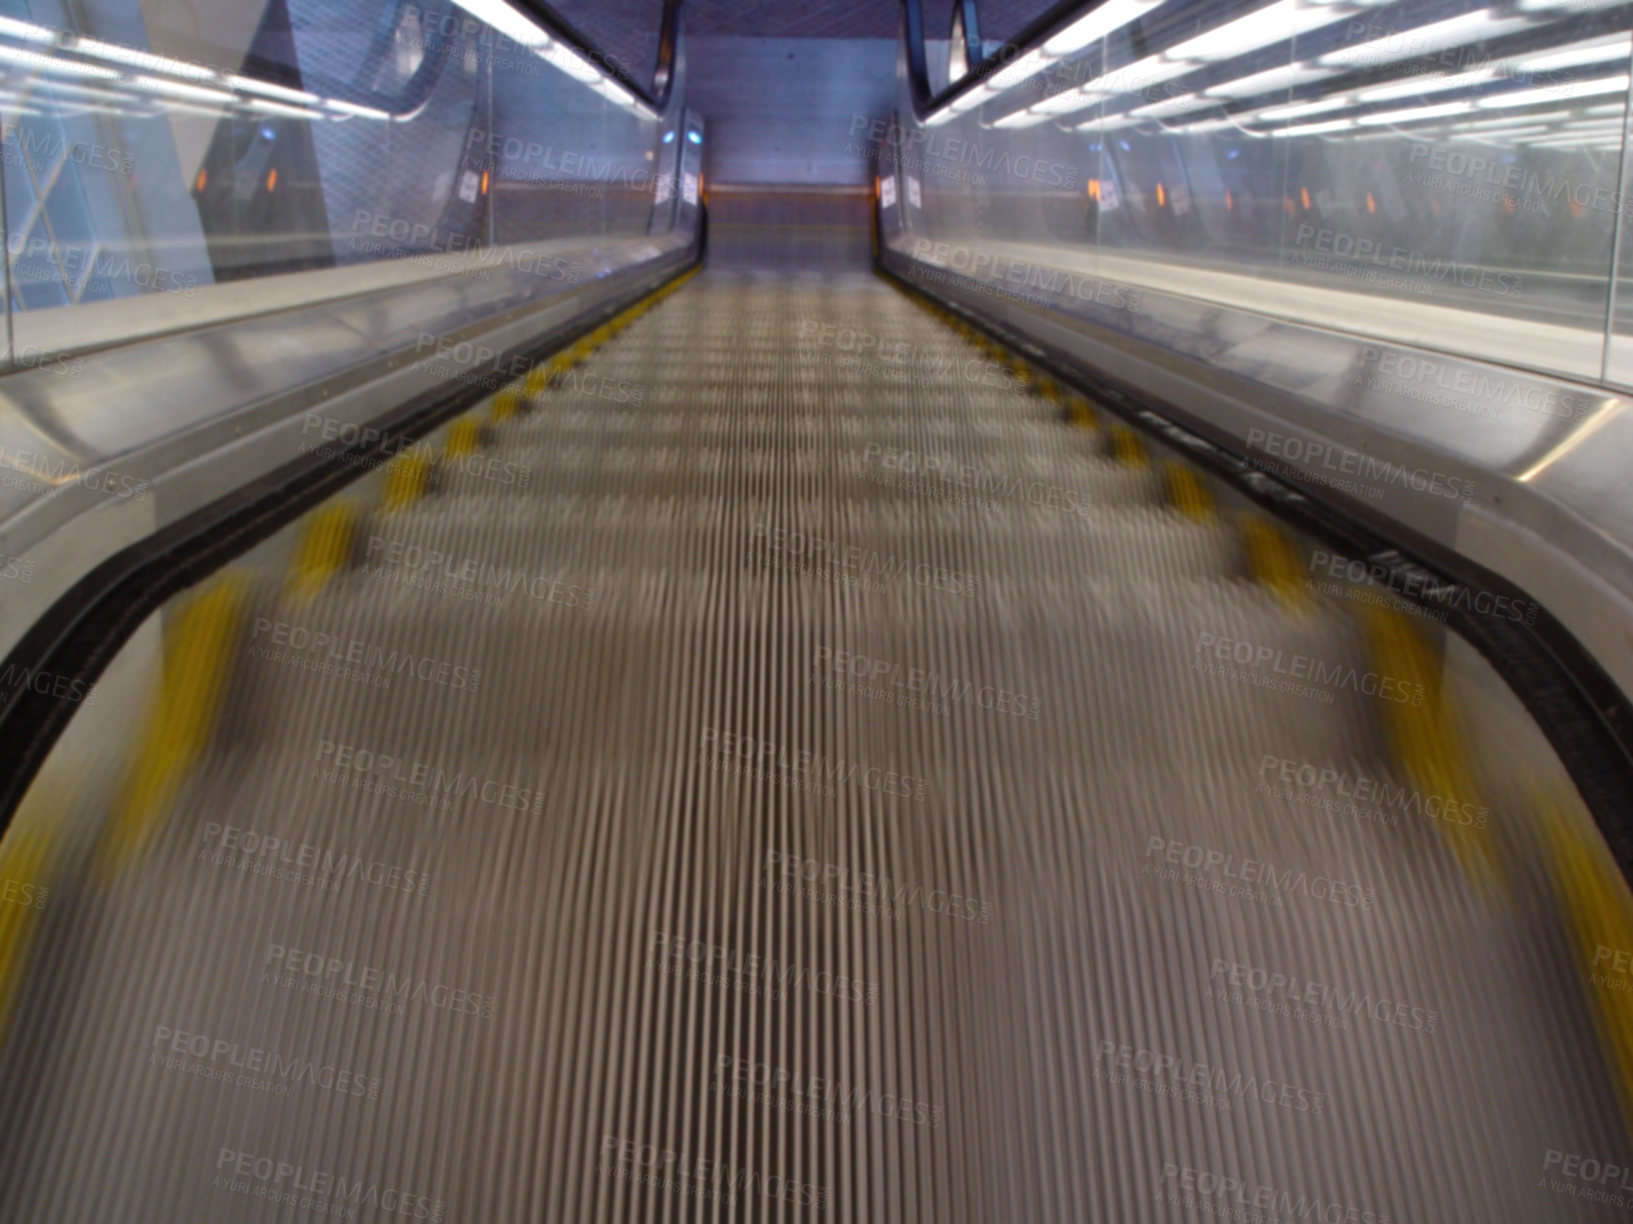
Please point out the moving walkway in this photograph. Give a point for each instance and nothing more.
(741, 736)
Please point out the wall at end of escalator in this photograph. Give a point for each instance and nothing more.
(790, 227)
(790, 110)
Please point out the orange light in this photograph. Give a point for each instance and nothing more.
(1094, 189)
(1508, 205)
(875, 186)
(1162, 196)
(203, 177)
(1372, 205)
(484, 182)
(1230, 201)
(272, 179)
(1577, 210)
(1287, 203)
(1304, 197)
(702, 191)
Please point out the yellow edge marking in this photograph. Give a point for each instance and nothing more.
(1188, 494)
(1599, 914)
(464, 437)
(1127, 448)
(504, 405)
(1425, 732)
(325, 546)
(25, 863)
(1271, 560)
(406, 479)
(197, 645)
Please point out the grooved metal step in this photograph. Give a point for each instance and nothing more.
(922, 875)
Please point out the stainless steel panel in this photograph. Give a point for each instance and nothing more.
(1536, 493)
(95, 460)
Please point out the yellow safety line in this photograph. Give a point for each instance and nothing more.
(504, 405)
(325, 547)
(1127, 447)
(25, 871)
(1272, 561)
(464, 438)
(407, 477)
(196, 660)
(1080, 412)
(1188, 494)
(199, 636)
(1426, 733)
(1599, 915)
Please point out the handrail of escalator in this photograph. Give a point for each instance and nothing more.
(655, 94)
(236, 407)
(982, 67)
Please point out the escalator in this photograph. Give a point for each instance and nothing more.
(807, 768)
(887, 714)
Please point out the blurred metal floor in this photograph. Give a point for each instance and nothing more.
(792, 777)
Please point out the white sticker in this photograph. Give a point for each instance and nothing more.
(887, 192)
(469, 183)
(688, 189)
(1108, 193)
(665, 187)
(914, 196)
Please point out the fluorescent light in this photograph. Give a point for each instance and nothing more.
(1510, 120)
(1414, 114)
(1276, 23)
(1021, 119)
(142, 59)
(507, 20)
(1409, 44)
(1557, 93)
(1580, 6)
(1594, 51)
(1418, 86)
(1065, 103)
(1131, 78)
(1214, 125)
(1107, 123)
(177, 89)
(1609, 108)
(964, 102)
(1102, 21)
(1312, 129)
(1269, 81)
(1029, 65)
(55, 63)
(362, 112)
(26, 31)
(978, 96)
(1298, 110)
(1173, 106)
(278, 108)
(1499, 133)
(1563, 140)
(251, 85)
